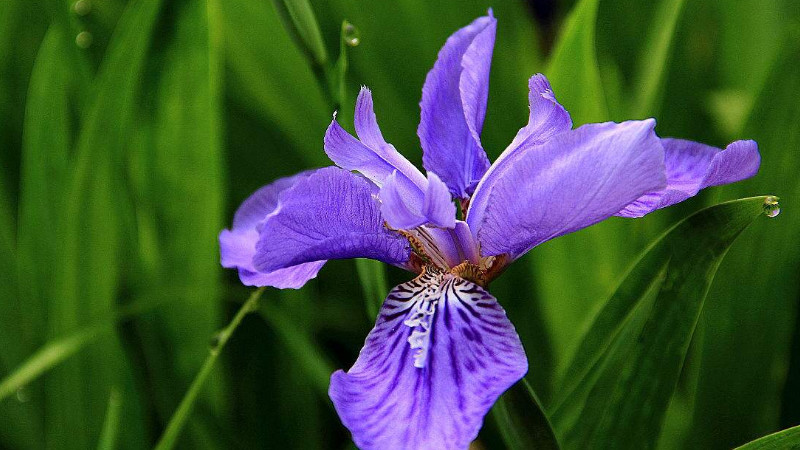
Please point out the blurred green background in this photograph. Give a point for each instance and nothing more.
(130, 132)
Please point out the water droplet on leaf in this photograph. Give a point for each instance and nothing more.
(84, 39)
(350, 34)
(82, 7)
(771, 206)
(23, 396)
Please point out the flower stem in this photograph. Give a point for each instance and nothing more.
(181, 415)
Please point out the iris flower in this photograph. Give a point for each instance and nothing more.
(442, 349)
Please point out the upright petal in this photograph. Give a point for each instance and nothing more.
(441, 353)
(571, 181)
(372, 155)
(691, 166)
(238, 245)
(454, 105)
(546, 119)
(405, 206)
(331, 214)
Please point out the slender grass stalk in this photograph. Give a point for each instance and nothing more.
(181, 415)
(108, 437)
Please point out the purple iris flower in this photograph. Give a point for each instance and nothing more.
(442, 349)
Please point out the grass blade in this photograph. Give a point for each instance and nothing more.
(522, 421)
(788, 438)
(655, 56)
(372, 275)
(573, 69)
(110, 431)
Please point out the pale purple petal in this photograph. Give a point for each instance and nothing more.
(441, 353)
(453, 107)
(547, 117)
(238, 248)
(571, 181)
(404, 206)
(238, 245)
(692, 166)
(372, 155)
(401, 204)
(438, 206)
(332, 214)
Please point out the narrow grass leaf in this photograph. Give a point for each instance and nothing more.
(786, 439)
(654, 59)
(301, 23)
(111, 423)
(522, 421)
(573, 69)
(90, 232)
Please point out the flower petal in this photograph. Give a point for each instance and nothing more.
(404, 206)
(547, 117)
(372, 155)
(571, 181)
(441, 353)
(238, 245)
(332, 214)
(454, 105)
(692, 166)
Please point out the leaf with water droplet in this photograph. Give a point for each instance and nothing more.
(82, 7)
(84, 39)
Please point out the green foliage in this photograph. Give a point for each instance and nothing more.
(121, 162)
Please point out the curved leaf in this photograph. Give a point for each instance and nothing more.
(633, 353)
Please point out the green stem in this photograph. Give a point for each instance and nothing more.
(181, 415)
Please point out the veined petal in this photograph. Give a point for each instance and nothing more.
(438, 206)
(441, 353)
(692, 166)
(547, 118)
(238, 245)
(572, 180)
(372, 156)
(453, 107)
(404, 206)
(332, 214)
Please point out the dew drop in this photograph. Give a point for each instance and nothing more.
(22, 395)
(350, 34)
(84, 39)
(82, 7)
(771, 206)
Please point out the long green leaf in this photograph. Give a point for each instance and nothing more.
(522, 421)
(641, 362)
(90, 233)
(111, 423)
(573, 69)
(786, 439)
(655, 55)
(750, 326)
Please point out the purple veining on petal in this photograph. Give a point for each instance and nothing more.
(546, 119)
(692, 166)
(332, 214)
(453, 107)
(434, 397)
(571, 181)
(238, 245)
